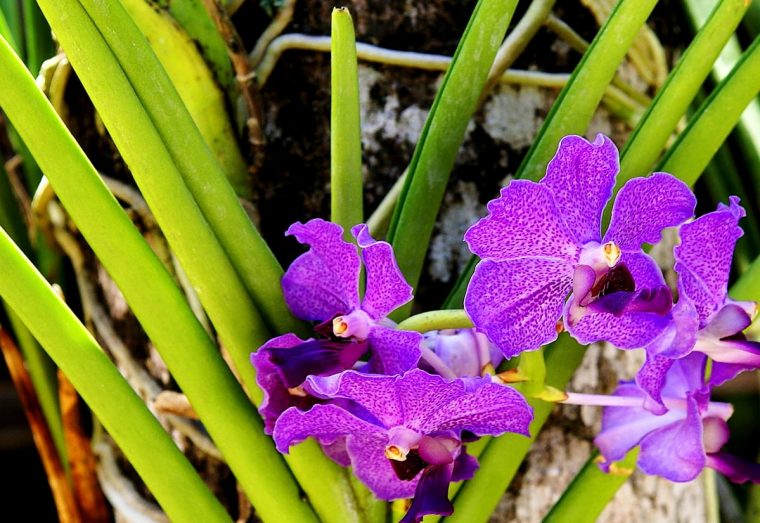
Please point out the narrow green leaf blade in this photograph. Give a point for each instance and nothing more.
(345, 132)
(253, 260)
(442, 135)
(576, 103)
(160, 307)
(648, 139)
(712, 123)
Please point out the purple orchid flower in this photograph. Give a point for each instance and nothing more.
(542, 240)
(459, 353)
(323, 285)
(403, 434)
(705, 319)
(678, 444)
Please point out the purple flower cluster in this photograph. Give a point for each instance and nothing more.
(399, 406)
(355, 387)
(542, 241)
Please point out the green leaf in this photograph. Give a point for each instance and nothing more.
(648, 139)
(163, 110)
(442, 135)
(152, 294)
(189, 234)
(345, 130)
(712, 123)
(134, 428)
(577, 102)
(39, 42)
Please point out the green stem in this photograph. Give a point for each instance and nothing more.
(163, 110)
(533, 366)
(190, 236)
(134, 428)
(591, 490)
(710, 126)
(442, 135)
(189, 353)
(648, 139)
(345, 131)
(437, 320)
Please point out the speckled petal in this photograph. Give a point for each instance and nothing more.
(675, 451)
(624, 427)
(325, 423)
(524, 221)
(277, 399)
(386, 287)
(581, 176)
(324, 281)
(393, 351)
(491, 409)
(429, 403)
(703, 259)
(645, 206)
(651, 379)
(374, 470)
(517, 302)
(376, 393)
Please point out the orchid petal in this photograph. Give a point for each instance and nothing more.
(524, 221)
(491, 409)
(651, 379)
(645, 206)
(324, 281)
(325, 423)
(703, 259)
(386, 287)
(374, 470)
(581, 176)
(675, 451)
(517, 302)
(394, 351)
(630, 330)
(624, 427)
(465, 466)
(277, 398)
(735, 469)
(431, 495)
(680, 335)
(728, 321)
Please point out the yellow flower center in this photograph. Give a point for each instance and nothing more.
(611, 253)
(395, 453)
(340, 326)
